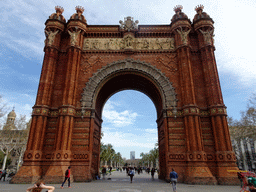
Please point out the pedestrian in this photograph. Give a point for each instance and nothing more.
(39, 186)
(67, 177)
(131, 174)
(104, 171)
(174, 177)
(153, 173)
(3, 175)
(240, 177)
(110, 169)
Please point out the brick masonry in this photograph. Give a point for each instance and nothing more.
(173, 64)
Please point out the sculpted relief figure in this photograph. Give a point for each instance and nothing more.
(86, 44)
(128, 42)
(208, 36)
(50, 36)
(145, 44)
(73, 37)
(158, 44)
(183, 35)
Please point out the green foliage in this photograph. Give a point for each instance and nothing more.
(152, 156)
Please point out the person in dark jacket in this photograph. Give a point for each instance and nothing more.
(153, 173)
(174, 177)
(67, 177)
(104, 171)
(3, 175)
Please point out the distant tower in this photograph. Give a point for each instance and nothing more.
(9, 125)
(132, 155)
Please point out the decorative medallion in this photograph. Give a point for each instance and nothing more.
(37, 156)
(29, 156)
(58, 155)
(65, 156)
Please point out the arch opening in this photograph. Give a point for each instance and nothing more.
(129, 125)
(128, 81)
(129, 74)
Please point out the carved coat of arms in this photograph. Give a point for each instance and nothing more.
(128, 24)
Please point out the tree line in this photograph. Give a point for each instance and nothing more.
(243, 133)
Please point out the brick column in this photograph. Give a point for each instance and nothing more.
(31, 168)
(197, 170)
(225, 156)
(63, 154)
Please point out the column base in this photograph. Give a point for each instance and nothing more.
(200, 176)
(27, 175)
(227, 178)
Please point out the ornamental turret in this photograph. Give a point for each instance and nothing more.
(53, 27)
(203, 25)
(76, 27)
(181, 26)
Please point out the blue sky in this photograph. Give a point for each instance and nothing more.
(130, 123)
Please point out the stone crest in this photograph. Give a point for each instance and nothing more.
(128, 24)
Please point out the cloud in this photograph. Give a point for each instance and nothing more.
(120, 139)
(118, 119)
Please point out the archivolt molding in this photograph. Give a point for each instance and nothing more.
(168, 92)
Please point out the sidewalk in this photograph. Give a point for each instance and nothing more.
(120, 183)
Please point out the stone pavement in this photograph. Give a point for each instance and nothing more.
(120, 183)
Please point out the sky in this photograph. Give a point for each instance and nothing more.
(126, 121)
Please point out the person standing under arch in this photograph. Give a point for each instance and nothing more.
(131, 174)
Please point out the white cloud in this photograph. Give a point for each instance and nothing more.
(27, 107)
(118, 119)
(120, 139)
(151, 131)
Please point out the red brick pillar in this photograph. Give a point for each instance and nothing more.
(197, 171)
(31, 168)
(63, 155)
(225, 156)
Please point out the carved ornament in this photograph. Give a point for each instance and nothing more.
(128, 42)
(128, 24)
(183, 35)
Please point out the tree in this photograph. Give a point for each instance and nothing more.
(107, 153)
(246, 126)
(243, 132)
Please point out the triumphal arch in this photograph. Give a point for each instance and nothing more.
(173, 64)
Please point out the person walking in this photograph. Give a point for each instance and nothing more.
(104, 171)
(153, 173)
(67, 177)
(174, 177)
(110, 169)
(3, 175)
(131, 174)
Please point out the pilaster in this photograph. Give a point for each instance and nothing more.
(225, 156)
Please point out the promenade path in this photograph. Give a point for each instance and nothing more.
(120, 183)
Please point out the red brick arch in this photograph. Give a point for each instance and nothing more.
(123, 66)
(173, 64)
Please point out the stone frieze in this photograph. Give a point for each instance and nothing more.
(128, 42)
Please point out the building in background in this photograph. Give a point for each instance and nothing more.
(245, 153)
(132, 155)
(13, 141)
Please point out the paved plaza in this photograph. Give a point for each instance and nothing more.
(119, 182)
